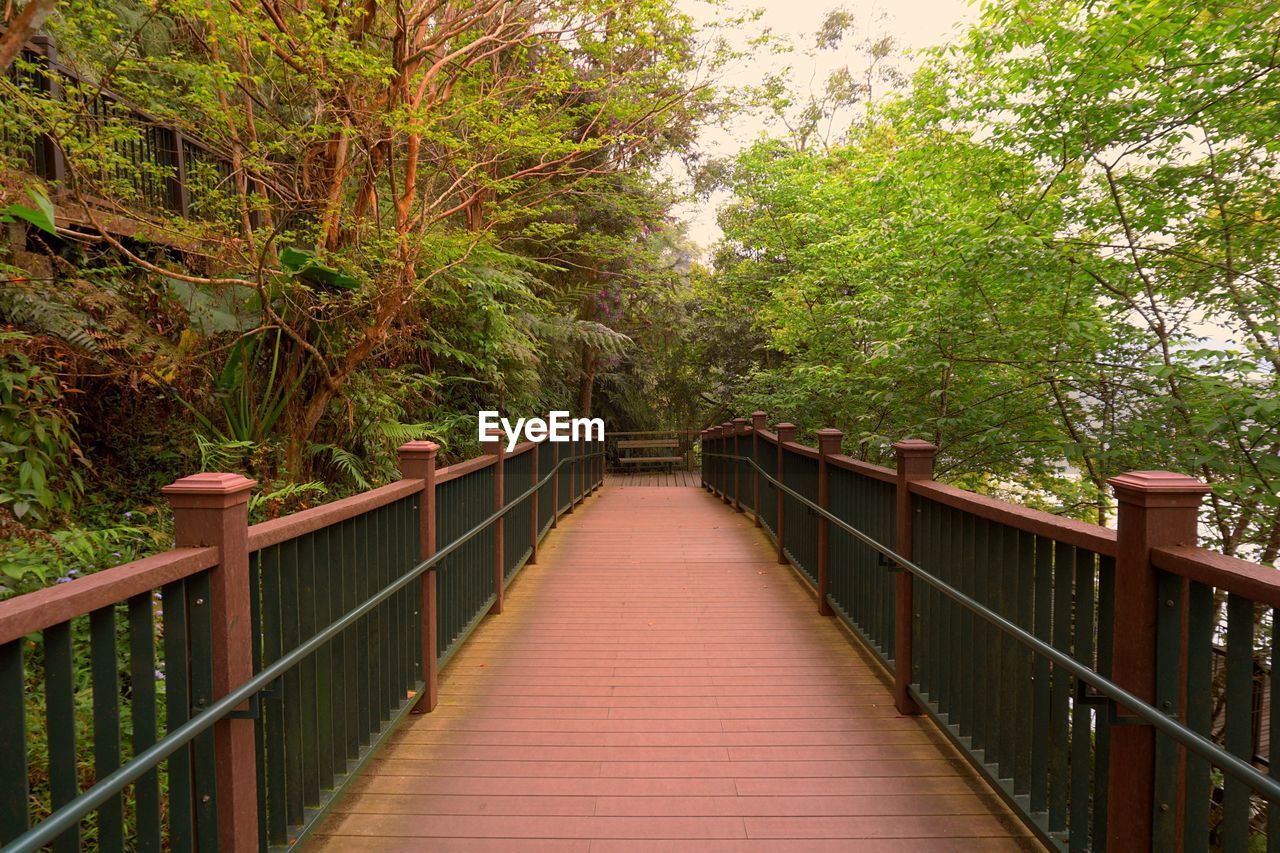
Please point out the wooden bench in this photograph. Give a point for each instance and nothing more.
(626, 457)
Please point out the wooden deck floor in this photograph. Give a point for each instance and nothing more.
(658, 682)
(674, 477)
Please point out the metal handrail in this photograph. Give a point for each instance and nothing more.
(1236, 767)
(113, 783)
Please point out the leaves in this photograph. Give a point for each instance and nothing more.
(41, 216)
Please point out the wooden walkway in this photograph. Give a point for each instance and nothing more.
(674, 477)
(658, 682)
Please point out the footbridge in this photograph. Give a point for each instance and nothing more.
(800, 651)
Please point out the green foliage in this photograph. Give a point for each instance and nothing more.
(38, 451)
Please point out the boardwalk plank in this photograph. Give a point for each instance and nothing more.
(657, 681)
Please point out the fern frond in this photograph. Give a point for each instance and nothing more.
(344, 460)
(570, 330)
(38, 314)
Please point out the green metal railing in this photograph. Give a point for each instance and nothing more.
(800, 527)
(140, 682)
(336, 662)
(861, 590)
(768, 460)
(465, 580)
(320, 719)
(547, 492)
(1218, 646)
(1012, 644)
(518, 478)
(1017, 710)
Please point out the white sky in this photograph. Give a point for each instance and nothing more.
(917, 24)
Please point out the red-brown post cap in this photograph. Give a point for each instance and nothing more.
(829, 440)
(495, 443)
(758, 419)
(740, 426)
(1158, 489)
(209, 489)
(424, 449)
(915, 447)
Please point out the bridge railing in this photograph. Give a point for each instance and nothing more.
(163, 166)
(1079, 669)
(220, 695)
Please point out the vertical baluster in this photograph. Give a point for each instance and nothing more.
(1011, 688)
(273, 699)
(309, 698)
(1081, 714)
(292, 683)
(1102, 725)
(353, 663)
(1024, 616)
(204, 764)
(982, 663)
(259, 723)
(316, 570)
(1239, 731)
(60, 712)
(13, 740)
(105, 669)
(334, 563)
(1042, 699)
(1273, 731)
(142, 670)
(1201, 612)
(1168, 698)
(1060, 683)
(177, 687)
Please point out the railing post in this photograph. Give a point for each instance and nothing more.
(573, 467)
(555, 483)
(533, 504)
(495, 448)
(213, 510)
(418, 462)
(828, 445)
(914, 462)
(55, 163)
(702, 468)
(757, 424)
(739, 429)
(1156, 508)
(785, 433)
(726, 473)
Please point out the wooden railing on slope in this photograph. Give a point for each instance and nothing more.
(380, 576)
(162, 160)
(1136, 606)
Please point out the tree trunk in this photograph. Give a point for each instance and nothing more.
(24, 26)
(587, 381)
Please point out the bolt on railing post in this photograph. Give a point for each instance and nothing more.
(418, 462)
(1155, 508)
(785, 433)
(828, 445)
(914, 459)
(739, 429)
(757, 424)
(213, 510)
(495, 448)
